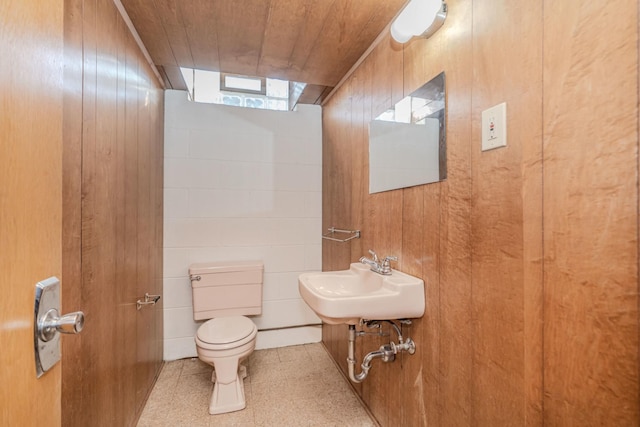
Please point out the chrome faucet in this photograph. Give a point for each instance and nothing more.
(373, 263)
(380, 267)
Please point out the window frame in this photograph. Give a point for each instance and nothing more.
(225, 88)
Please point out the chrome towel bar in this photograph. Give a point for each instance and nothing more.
(355, 234)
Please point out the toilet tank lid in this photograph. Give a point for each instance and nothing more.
(225, 266)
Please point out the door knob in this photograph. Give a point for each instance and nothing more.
(51, 323)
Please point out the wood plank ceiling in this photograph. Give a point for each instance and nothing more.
(310, 41)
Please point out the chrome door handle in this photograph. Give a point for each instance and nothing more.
(51, 323)
(47, 323)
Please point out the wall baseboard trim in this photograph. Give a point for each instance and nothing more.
(288, 327)
(284, 337)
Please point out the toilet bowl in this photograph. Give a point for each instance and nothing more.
(223, 343)
(225, 293)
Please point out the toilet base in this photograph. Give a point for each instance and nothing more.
(242, 371)
(228, 397)
(226, 359)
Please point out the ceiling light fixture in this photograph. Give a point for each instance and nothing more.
(419, 18)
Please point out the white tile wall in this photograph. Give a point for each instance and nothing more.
(241, 184)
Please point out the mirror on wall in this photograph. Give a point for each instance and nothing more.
(407, 143)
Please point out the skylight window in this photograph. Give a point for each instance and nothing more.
(241, 91)
(243, 84)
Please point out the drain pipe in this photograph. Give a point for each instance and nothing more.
(386, 352)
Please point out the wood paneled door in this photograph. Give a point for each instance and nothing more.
(30, 200)
(112, 233)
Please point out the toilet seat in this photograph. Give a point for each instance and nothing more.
(224, 333)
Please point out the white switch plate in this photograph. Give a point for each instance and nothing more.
(494, 127)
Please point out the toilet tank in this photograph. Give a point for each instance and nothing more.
(226, 289)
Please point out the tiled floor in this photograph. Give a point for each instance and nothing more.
(289, 386)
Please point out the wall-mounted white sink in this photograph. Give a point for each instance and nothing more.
(347, 296)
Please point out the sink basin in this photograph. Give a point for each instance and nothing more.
(347, 296)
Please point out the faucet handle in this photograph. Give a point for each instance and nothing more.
(386, 265)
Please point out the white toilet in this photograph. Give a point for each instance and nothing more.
(225, 292)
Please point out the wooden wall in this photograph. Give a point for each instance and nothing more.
(112, 217)
(529, 252)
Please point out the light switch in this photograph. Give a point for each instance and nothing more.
(494, 127)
